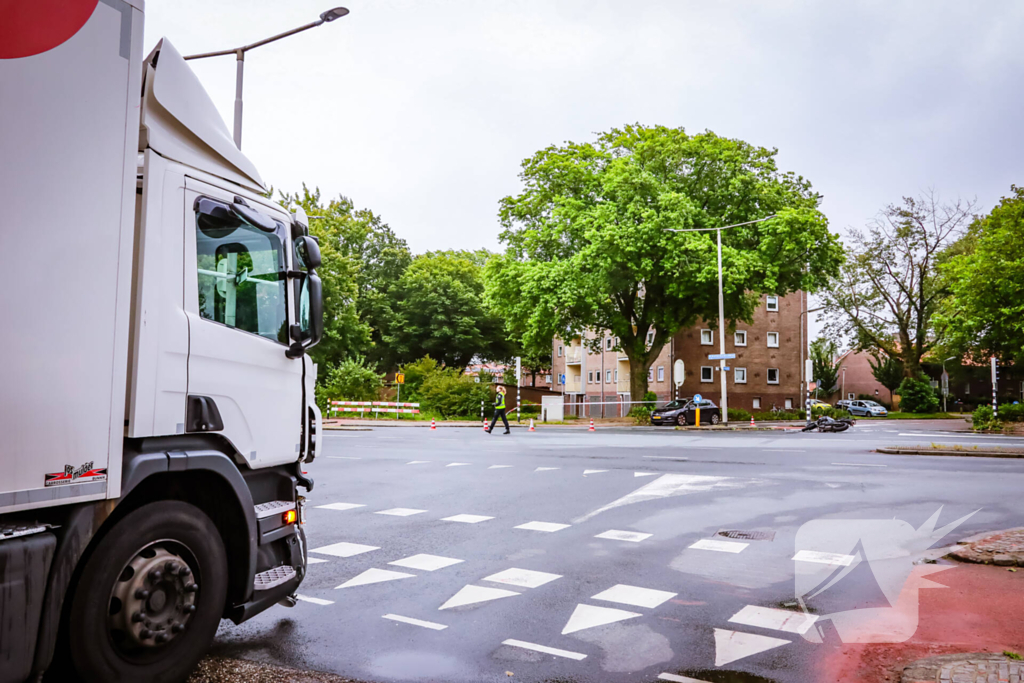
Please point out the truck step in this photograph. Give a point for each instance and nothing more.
(273, 577)
(272, 507)
(15, 529)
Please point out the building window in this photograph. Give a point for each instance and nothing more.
(608, 344)
(607, 376)
(773, 375)
(707, 373)
(707, 337)
(740, 376)
(757, 402)
(616, 375)
(789, 404)
(590, 377)
(741, 338)
(650, 337)
(661, 373)
(547, 380)
(773, 340)
(850, 396)
(559, 351)
(773, 303)
(650, 375)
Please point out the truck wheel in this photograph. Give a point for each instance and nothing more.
(150, 597)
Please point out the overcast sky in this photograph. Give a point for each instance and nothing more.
(423, 110)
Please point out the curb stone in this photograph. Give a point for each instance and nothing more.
(968, 667)
(1001, 548)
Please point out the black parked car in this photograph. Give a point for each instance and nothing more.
(684, 412)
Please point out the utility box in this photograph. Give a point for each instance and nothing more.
(552, 409)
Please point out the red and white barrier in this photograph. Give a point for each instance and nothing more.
(373, 407)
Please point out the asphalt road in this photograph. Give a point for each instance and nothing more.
(562, 555)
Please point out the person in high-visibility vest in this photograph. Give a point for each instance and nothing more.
(499, 410)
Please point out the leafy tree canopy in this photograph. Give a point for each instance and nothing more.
(984, 314)
(823, 354)
(889, 371)
(588, 245)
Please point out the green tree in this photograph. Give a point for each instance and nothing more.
(984, 313)
(889, 290)
(917, 396)
(889, 372)
(823, 354)
(439, 310)
(589, 247)
(453, 394)
(351, 380)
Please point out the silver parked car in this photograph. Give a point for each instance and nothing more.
(866, 409)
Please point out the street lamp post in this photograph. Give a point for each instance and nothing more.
(945, 382)
(721, 307)
(239, 52)
(803, 347)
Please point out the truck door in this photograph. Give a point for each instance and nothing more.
(236, 301)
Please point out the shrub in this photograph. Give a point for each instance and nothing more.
(530, 410)
(767, 417)
(982, 418)
(917, 396)
(738, 415)
(828, 411)
(1012, 412)
(452, 394)
(415, 373)
(641, 415)
(350, 380)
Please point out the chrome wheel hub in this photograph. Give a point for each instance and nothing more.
(153, 599)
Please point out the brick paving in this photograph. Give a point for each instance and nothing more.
(977, 667)
(1001, 548)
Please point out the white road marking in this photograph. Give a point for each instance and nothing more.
(344, 549)
(467, 519)
(458, 464)
(674, 485)
(857, 464)
(784, 450)
(588, 616)
(399, 512)
(313, 560)
(545, 469)
(832, 486)
(417, 462)
(375, 576)
(679, 679)
(343, 457)
(634, 595)
(524, 578)
(470, 595)
(315, 601)
(543, 526)
(631, 536)
(416, 622)
(586, 472)
(666, 457)
(720, 546)
(341, 506)
(824, 558)
(499, 467)
(733, 645)
(426, 562)
(775, 619)
(645, 474)
(545, 649)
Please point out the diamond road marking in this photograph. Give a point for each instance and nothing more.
(824, 558)
(313, 560)
(632, 536)
(426, 562)
(315, 601)
(399, 512)
(775, 619)
(545, 649)
(416, 622)
(634, 595)
(341, 506)
(543, 526)
(588, 616)
(720, 546)
(467, 519)
(526, 578)
(645, 474)
(375, 576)
(733, 645)
(344, 549)
(470, 595)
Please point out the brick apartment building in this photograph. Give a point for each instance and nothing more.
(767, 370)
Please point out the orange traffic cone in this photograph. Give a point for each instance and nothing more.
(433, 425)
(485, 424)
(531, 425)
(591, 425)
(752, 421)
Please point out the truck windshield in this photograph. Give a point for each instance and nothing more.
(241, 275)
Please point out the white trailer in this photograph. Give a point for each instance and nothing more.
(157, 402)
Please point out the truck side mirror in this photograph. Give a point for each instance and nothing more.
(310, 329)
(316, 308)
(308, 252)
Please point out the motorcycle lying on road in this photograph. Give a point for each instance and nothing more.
(828, 424)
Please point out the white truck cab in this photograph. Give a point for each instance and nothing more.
(158, 402)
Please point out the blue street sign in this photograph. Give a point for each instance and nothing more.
(561, 378)
(721, 356)
(697, 397)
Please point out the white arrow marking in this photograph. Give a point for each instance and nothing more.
(374, 576)
(586, 472)
(458, 464)
(545, 649)
(645, 474)
(674, 485)
(588, 616)
(499, 467)
(775, 619)
(545, 469)
(416, 462)
(470, 595)
(733, 645)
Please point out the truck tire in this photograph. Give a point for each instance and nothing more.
(150, 597)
